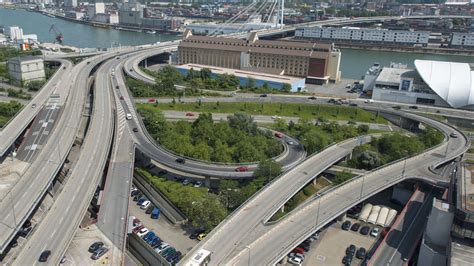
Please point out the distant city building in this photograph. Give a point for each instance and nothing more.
(75, 15)
(131, 14)
(318, 63)
(461, 40)
(26, 69)
(70, 3)
(437, 83)
(434, 246)
(212, 28)
(15, 33)
(366, 35)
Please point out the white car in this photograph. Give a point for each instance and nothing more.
(369, 101)
(295, 260)
(375, 232)
(145, 204)
(142, 232)
(290, 142)
(276, 117)
(161, 247)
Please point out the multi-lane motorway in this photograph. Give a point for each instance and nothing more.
(242, 236)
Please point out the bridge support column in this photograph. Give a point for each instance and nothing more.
(146, 62)
(207, 181)
(282, 208)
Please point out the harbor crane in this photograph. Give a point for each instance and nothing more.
(59, 36)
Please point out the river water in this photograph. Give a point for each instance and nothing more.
(354, 62)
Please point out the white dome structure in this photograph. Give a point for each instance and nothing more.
(453, 82)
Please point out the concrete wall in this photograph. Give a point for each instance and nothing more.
(26, 71)
(405, 97)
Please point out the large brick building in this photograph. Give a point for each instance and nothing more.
(316, 62)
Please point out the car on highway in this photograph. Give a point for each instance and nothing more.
(152, 100)
(397, 107)
(33, 105)
(121, 97)
(276, 117)
(150, 209)
(369, 101)
(353, 104)
(189, 114)
(263, 95)
(453, 135)
(201, 236)
(355, 227)
(375, 232)
(413, 107)
(360, 254)
(128, 116)
(44, 256)
(290, 142)
(346, 225)
(99, 253)
(180, 160)
(95, 246)
(364, 230)
(135, 129)
(117, 87)
(145, 204)
(142, 232)
(331, 100)
(312, 98)
(242, 169)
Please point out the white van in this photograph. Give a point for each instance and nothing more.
(129, 116)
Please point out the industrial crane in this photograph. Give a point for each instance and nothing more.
(59, 36)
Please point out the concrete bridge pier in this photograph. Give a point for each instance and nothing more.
(207, 181)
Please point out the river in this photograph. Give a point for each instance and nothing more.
(354, 62)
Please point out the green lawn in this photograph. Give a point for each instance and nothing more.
(309, 111)
(8, 110)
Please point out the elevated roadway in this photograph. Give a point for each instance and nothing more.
(20, 122)
(58, 227)
(246, 232)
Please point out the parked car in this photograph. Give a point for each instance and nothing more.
(44, 256)
(175, 256)
(364, 230)
(141, 200)
(346, 225)
(95, 246)
(145, 204)
(137, 196)
(167, 251)
(361, 252)
(136, 223)
(99, 253)
(137, 229)
(155, 213)
(142, 232)
(201, 236)
(295, 260)
(162, 247)
(134, 192)
(375, 232)
(242, 169)
(198, 184)
(350, 250)
(185, 182)
(149, 235)
(355, 227)
(298, 250)
(195, 234)
(347, 260)
(149, 209)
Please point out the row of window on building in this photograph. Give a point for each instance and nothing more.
(456, 39)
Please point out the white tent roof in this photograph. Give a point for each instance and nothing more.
(453, 82)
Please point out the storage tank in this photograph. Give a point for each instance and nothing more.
(390, 217)
(364, 213)
(383, 214)
(374, 213)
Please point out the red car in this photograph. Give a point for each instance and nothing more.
(278, 135)
(152, 100)
(138, 228)
(189, 114)
(242, 169)
(298, 250)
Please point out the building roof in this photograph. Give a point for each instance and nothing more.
(453, 82)
(391, 76)
(27, 58)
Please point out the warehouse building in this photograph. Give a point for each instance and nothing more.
(318, 63)
(365, 35)
(25, 69)
(446, 84)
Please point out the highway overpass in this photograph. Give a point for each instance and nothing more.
(245, 231)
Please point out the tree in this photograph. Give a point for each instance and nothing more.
(243, 122)
(342, 177)
(251, 83)
(314, 140)
(268, 169)
(207, 212)
(367, 160)
(205, 74)
(191, 75)
(363, 129)
(286, 87)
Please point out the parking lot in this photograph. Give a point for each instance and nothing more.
(174, 235)
(331, 247)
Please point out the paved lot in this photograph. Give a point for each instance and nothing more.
(78, 254)
(331, 247)
(172, 234)
(333, 89)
